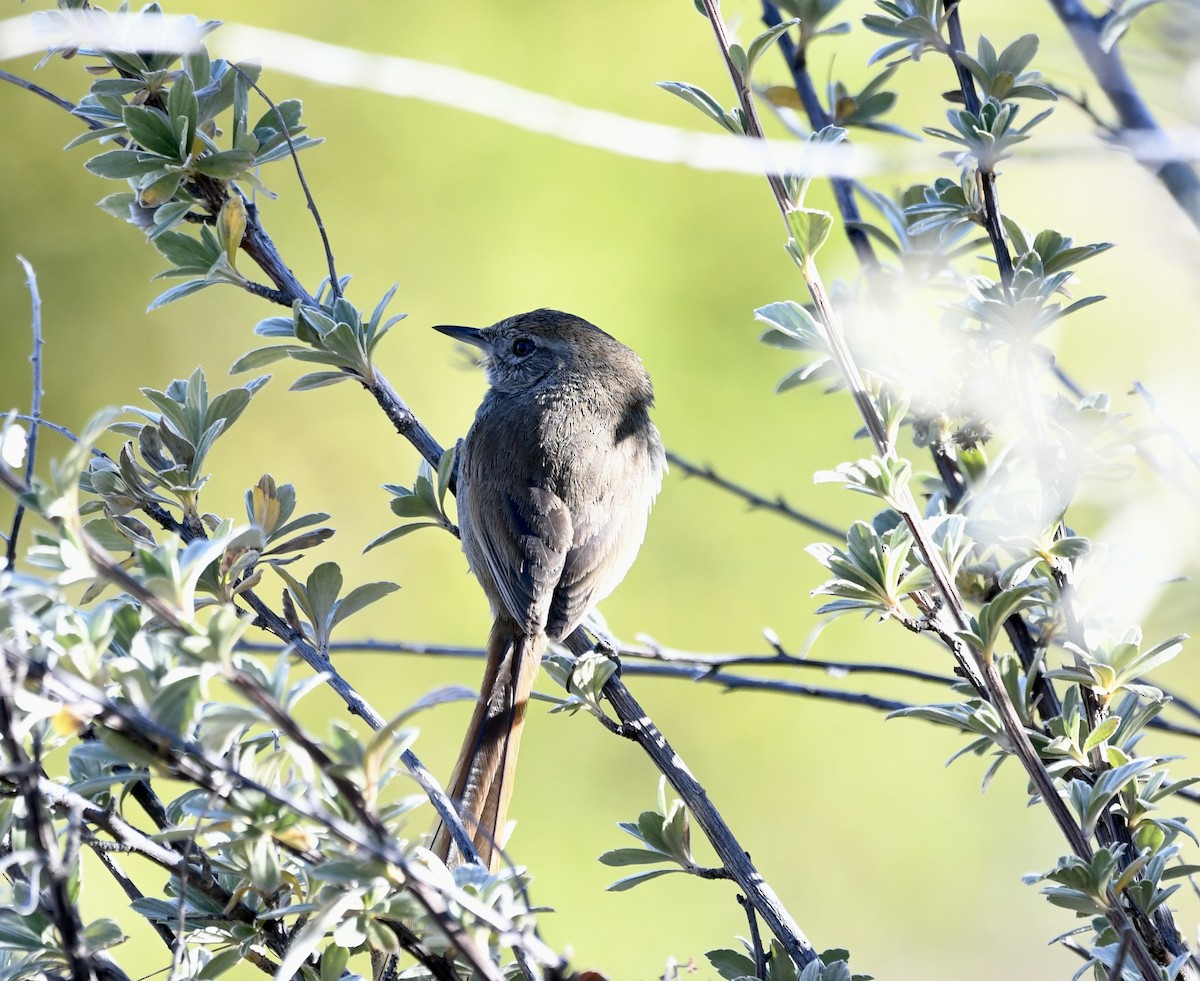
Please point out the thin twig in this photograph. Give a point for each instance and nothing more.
(132, 892)
(29, 86)
(756, 944)
(711, 664)
(756, 501)
(35, 405)
(334, 283)
(987, 176)
(1177, 437)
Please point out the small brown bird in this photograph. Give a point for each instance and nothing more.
(556, 477)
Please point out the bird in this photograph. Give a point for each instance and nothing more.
(555, 481)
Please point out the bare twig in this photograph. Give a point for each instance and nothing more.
(692, 662)
(132, 892)
(756, 945)
(334, 284)
(29, 86)
(756, 501)
(1177, 437)
(35, 405)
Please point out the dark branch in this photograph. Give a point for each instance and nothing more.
(778, 505)
(1175, 173)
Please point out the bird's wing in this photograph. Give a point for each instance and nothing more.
(609, 497)
(518, 538)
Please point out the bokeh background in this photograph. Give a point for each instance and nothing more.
(869, 841)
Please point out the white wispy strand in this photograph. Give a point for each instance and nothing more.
(408, 78)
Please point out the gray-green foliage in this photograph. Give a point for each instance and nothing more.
(297, 846)
(1002, 538)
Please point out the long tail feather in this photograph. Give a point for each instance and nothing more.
(482, 784)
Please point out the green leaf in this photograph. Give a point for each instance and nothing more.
(360, 597)
(318, 379)
(323, 585)
(633, 856)
(151, 128)
(16, 935)
(731, 964)
(810, 229)
(760, 44)
(225, 164)
(122, 164)
(696, 96)
(1101, 733)
(160, 190)
(118, 204)
(400, 532)
(102, 934)
(621, 885)
(178, 293)
(260, 357)
(186, 253)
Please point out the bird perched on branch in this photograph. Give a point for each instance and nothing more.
(555, 480)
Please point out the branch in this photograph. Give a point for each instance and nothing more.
(637, 725)
(987, 177)
(193, 763)
(1134, 115)
(980, 670)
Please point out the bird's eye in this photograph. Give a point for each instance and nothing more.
(522, 347)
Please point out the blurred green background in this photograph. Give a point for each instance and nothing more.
(868, 840)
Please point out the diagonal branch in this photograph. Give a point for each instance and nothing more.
(756, 501)
(1174, 171)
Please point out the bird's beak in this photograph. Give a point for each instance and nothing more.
(468, 335)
